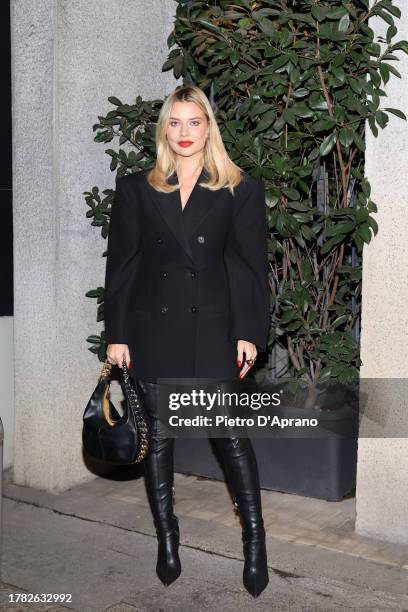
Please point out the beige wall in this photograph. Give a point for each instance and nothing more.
(382, 483)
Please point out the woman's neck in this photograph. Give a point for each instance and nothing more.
(189, 168)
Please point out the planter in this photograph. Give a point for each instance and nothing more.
(323, 467)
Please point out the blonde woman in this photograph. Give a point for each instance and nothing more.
(186, 295)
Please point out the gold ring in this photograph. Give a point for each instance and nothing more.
(250, 362)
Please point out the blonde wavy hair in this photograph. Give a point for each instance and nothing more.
(222, 171)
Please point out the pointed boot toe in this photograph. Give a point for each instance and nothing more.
(168, 573)
(255, 575)
(168, 566)
(256, 582)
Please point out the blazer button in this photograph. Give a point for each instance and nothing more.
(164, 274)
(200, 239)
(159, 241)
(164, 309)
(194, 309)
(193, 274)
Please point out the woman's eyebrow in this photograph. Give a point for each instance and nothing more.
(190, 119)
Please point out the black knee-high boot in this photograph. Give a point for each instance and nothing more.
(242, 474)
(159, 474)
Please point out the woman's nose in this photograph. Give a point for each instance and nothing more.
(184, 130)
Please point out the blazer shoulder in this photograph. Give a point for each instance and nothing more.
(252, 181)
(131, 179)
(248, 184)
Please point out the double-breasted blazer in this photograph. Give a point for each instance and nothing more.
(183, 285)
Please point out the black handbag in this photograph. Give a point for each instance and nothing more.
(107, 435)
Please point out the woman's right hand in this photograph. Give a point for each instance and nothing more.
(115, 353)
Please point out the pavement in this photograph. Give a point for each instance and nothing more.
(93, 547)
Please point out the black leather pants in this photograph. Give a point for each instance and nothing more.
(242, 474)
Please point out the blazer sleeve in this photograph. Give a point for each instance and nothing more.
(246, 259)
(123, 257)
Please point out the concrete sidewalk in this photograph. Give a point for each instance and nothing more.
(97, 542)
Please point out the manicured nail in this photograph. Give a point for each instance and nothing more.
(239, 363)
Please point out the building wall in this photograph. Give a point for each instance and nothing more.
(382, 481)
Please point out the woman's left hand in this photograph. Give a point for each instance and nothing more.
(250, 353)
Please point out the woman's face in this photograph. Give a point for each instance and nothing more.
(187, 129)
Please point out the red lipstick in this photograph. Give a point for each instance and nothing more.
(184, 143)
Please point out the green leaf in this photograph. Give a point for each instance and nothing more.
(402, 45)
(294, 326)
(340, 228)
(391, 69)
(361, 215)
(242, 23)
(344, 23)
(373, 224)
(325, 373)
(317, 102)
(359, 142)
(336, 13)
(301, 110)
(397, 113)
(381, 118)
(339, 74)
(366, 188)
(324, 125)
(291, 193)
(386, 17)
(373, 127)
(319, 12)
(388, 6)
(287, 316)
(331, 243)
(385, 72)
(340, 320)
(364, 231)
(114, 101)
(234, 57)
(207, 24)
(346, 137)
(301, 92)
(328, 144)
(391, 32)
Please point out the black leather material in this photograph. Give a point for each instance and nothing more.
(110, 437)
(159, 474)
(242, 474)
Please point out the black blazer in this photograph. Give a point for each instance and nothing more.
(182, 286)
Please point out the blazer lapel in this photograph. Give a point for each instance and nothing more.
(198, 206)
(183, 222)
(169, 207)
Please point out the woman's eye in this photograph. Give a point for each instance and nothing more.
(174, 123)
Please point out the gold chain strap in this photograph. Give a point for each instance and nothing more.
(134, 401)
(138, 412)
(106, 370)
